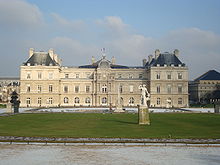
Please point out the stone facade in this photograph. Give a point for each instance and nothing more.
(46, 83)
(206, 88)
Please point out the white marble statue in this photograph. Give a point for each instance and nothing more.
(145, 95)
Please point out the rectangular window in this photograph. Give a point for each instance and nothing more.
(158, 88)
(180, 101)
(28, 75)
(140, 76)
(39, 75)
(50, 100)
(66, 75)
(120, 88)
(50, 88)
(130, 76)
(50, 75)
(65, 89)
(180, 76)
(158, 101)
(87, 89)
(180, 89)
(77, 75)
(131, 88)
(158, 76)
(168, 88)
(28, 88)
(119, 76)
(169, 76)
(87, 75)
(39, 100)
(76, 89)
(39, 88)
(28, 101)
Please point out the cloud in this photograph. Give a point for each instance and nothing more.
(72, 51)
(199, 48)
(76, 41)
(74, 25)
(114, 26)
(19, 14)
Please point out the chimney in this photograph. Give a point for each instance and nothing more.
(51, 53)
(93, 60)
(176, 52)
(144, 61)
(150, 57)
(157, 53)
(31, 52)
(113, 60)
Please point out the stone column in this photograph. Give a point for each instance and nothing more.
(143, 115)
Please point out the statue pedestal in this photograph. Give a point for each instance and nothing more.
(119, 109)
(143, 115)
(9, 108)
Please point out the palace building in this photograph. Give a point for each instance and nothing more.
(44, 82)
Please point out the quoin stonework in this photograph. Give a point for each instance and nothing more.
(44, 82)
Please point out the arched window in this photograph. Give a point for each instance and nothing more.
(87, 101)
(104, 88)
(77, 100)
(66, 100)
(104, 100)
(131, 100)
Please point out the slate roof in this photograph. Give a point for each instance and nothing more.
(111, 65)
(41, 58)
(165, 59)
(96, 65)
(210, 75)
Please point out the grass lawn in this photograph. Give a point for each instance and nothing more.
(178, 125)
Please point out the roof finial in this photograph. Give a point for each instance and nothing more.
(103, 53)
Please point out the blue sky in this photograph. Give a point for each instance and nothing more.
(130, 30)
(148, 17)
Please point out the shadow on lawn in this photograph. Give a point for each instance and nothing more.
(123, 122)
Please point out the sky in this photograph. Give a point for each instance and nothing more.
(129, 30)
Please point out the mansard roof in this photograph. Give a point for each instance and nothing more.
(210, 75)
(165, 59)
(41, 58)
(104, 63)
